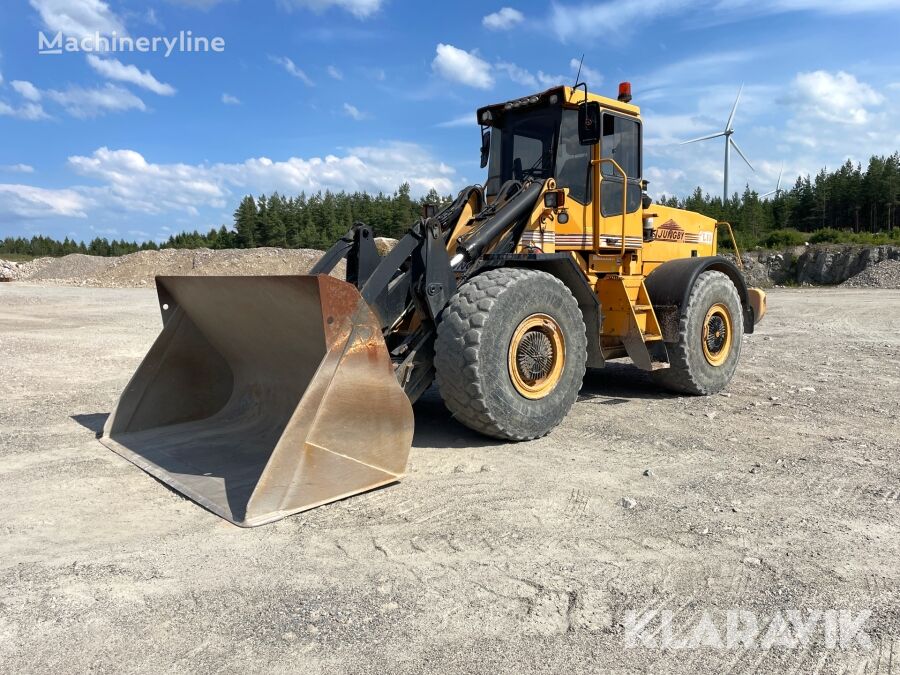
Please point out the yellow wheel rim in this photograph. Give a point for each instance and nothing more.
(537, 356)
(717, 334)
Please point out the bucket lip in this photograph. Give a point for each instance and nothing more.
(215, 508)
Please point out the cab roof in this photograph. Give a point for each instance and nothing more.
(571, 97)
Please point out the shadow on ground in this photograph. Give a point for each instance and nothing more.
(615, 384)
(92, 421)
(619, 383)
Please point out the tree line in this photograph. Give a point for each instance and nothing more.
(849, 205)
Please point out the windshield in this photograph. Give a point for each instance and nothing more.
(522, 146)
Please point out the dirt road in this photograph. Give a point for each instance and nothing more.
(782, 494)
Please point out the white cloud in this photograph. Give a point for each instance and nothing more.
(78, 18)
(127, 180)
(198, 4)
(461, 66)
(620, 18)
(517, 74)
(361, 9)
(131, 182)
(504, 19)
(835, 97)
(823, 6)
(698, 69)
(467, 120)
(609, 18)
(149, 17)
(524, 77)
(292, 69)
(27, 201)
(335, 73)
(16, 168)
(84, 103)
(26, 90)
(112, 69)
(228, 99)
(355, 113)
(28, 111)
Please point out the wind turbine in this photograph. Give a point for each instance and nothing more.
(777, 189)
(729, 143)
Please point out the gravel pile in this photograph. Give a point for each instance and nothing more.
(71, 269)
(885, 274)
(138, 269)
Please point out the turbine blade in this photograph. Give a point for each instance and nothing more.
(743, 156)
(780, 174)
(770, 192)
(703, 138)
(734, 108)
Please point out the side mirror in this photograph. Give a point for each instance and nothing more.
(589, 123)
(485, 147)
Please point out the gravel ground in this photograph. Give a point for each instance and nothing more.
(781, 494)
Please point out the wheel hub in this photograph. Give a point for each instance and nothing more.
(536, 356)
(717, 334)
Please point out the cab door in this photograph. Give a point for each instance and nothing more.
(620, 141)
(575, 172)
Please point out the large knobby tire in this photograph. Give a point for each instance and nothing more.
(707, 349)
(510, 353)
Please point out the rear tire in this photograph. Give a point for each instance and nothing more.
(510, 353)
(706, 352)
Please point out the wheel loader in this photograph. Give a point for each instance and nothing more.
(266, 396)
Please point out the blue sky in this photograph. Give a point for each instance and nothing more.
(365, 94)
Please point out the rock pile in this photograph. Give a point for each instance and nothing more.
(824, 265)
(885, 274)
(9, 271)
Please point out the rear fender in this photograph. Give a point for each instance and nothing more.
(670, 284)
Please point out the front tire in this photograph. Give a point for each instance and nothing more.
(510, 353)
(707, 349)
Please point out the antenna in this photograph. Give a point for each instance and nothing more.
(578, 76)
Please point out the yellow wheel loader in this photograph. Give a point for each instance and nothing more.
(265, 396)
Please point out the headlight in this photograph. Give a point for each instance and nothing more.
(554, 199)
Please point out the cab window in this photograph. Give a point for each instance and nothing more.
(522, 147)
(573, 160)
(620, 141)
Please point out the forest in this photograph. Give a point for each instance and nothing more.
(853, 204)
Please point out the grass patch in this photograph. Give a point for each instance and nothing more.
(16, 257)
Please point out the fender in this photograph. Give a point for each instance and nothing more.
(561, 266)
(670, 284)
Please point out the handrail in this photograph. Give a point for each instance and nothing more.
(618, 168)
(737, 253)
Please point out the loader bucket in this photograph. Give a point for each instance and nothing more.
(264, 396)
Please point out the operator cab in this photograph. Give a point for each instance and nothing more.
(538, 137)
